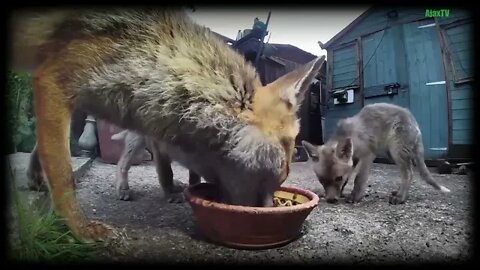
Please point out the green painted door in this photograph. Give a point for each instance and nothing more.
(384, 65)
(427, 89)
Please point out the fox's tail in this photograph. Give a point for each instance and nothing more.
(425, 173)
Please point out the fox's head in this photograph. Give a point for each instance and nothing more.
(333, 164)
(275, 106)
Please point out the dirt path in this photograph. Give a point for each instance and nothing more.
(430, 226)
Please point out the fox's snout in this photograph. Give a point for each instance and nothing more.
(332, 195)
(332, 200)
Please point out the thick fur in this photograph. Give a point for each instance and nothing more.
(349, 153)
(157, 73)
(134, 143)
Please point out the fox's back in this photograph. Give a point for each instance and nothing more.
(387, 116)
(166, 40)
(377, 125)
(135, 62)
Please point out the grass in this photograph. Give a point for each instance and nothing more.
(39, 235)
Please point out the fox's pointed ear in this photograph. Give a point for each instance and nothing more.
(312, 150)
(345, 149)
(293, 85)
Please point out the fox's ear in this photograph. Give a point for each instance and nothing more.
(345, 149)
(312, 150)
(293, 85)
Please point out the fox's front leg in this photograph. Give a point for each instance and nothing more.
(360, 173)
(351, 178)
(53, 127)
(163, 165)
(133, 144)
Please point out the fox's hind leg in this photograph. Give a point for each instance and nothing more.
(53, 113)
(402, 155)
(35, 177)
(134, 143)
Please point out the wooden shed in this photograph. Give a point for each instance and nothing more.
(413, 57)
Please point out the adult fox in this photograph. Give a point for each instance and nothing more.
(156, 72)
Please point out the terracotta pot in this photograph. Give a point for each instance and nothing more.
(111, 150)
(249, 227)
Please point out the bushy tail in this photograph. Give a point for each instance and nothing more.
(425, 173)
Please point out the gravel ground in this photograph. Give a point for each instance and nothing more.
(429, 227)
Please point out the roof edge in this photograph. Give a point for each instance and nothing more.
(340, 34)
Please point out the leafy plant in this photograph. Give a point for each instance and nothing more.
(20, 118)
(40, 235)
(21, 121)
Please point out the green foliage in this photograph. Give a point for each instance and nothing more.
(20, 117)
(39, 235)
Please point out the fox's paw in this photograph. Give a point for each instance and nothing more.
(175, 197)
(124, 194)
(349, 199)
(178, 187)
(353, 198)
(94, 231)
(174, 194)
(36, 182)
(395, 198)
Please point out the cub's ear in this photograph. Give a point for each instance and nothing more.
(345, 149)
(312, 150)
(293, 85)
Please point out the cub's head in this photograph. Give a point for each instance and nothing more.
(275, 107)
(333, 164)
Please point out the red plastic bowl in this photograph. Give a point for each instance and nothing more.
(248, 227)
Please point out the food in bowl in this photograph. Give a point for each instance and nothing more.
(284, 198)
(246, 227)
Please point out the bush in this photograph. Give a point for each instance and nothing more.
(21, 121)
(20, 116)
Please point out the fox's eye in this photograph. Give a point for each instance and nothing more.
(338, 179)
